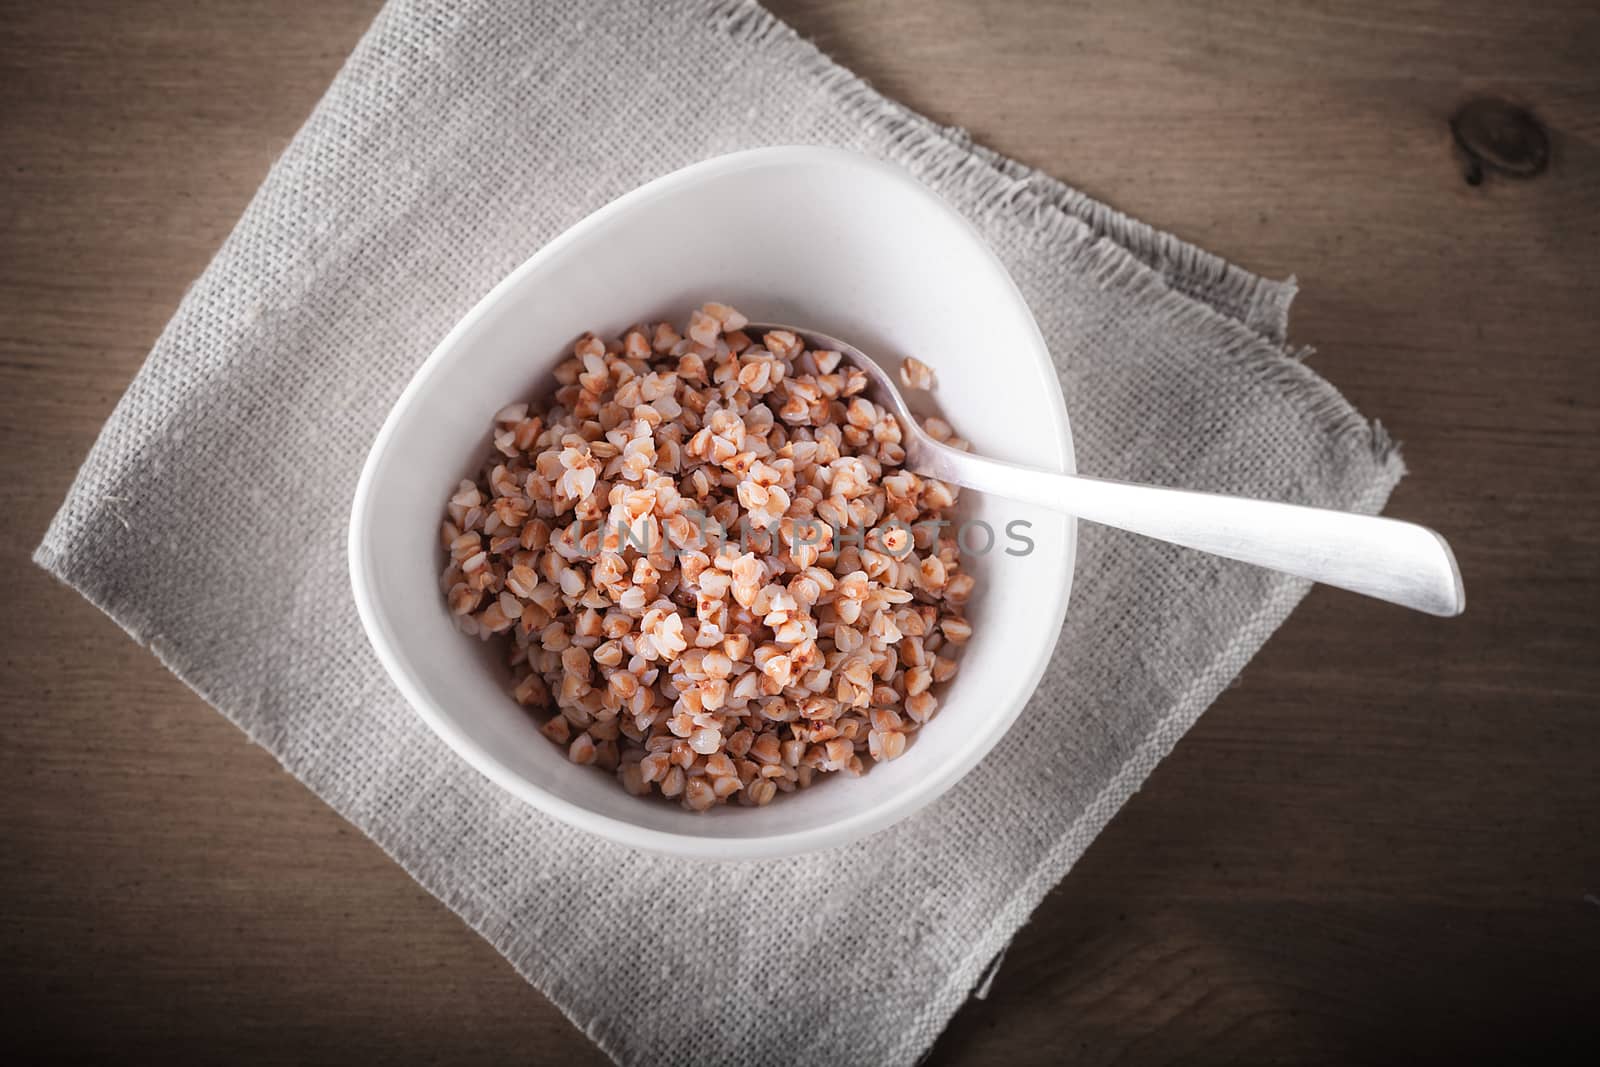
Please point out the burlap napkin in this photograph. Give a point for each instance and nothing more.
(210, 518)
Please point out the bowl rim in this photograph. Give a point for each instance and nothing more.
(689, 845)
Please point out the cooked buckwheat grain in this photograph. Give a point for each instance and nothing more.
(710, 570)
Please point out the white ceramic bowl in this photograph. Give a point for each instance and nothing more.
(811, 236)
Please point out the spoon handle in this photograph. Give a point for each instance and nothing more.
(1396, 561)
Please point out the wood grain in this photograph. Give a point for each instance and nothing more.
(1382, 843)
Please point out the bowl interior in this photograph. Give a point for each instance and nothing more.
(816, 237)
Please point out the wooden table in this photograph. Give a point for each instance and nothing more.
(1383, 843)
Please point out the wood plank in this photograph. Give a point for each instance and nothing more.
(1381, 842)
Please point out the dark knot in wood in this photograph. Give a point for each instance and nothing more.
(1494, 135)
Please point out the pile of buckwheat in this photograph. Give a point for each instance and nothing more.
(711, 568)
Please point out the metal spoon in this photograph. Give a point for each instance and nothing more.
(1400, 562)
